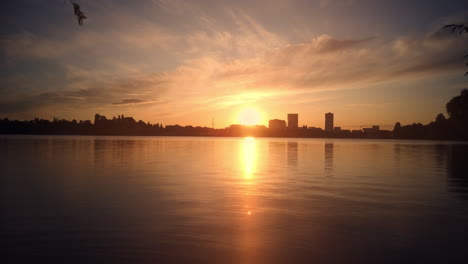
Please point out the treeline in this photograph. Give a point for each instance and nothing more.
(46, 127)
(453, 128)
(102, 126)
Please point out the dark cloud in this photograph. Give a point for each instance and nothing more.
(132, 101)
(87, 93)
(433, 67)
(23, 104)
(324, 44)
(331, 44)
(49, 94)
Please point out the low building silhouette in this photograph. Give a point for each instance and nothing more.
(277, 124)
(371, 130)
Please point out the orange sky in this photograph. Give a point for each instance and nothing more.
(188, 62)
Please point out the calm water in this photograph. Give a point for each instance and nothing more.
(232, 200)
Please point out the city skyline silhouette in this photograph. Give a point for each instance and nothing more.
(453, 128)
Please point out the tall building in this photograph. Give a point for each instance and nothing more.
(293, 120)
(277, 124)
(329, 122)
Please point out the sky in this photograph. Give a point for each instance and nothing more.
(191, 62)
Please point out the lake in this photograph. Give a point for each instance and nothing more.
(82, 199)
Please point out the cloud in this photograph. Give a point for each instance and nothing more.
(226, 62)
(133, 101)
(325, 43)
(88, 90)
(329, 63)
(76, 47)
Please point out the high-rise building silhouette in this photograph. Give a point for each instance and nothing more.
(329, 122)
(293, 120)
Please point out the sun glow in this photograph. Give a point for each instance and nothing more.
(250, 116)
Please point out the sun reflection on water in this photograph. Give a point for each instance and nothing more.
(248, 240)
(249, 155)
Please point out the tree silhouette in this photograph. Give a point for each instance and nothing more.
(461, 29)
(457, 107)
(453, 128)
(440, 118)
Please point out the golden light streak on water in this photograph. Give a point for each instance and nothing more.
(249, 156)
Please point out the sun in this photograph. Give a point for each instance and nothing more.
(250, 116)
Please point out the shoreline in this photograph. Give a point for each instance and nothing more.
(232, 136)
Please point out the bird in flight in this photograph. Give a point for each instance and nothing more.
(78, 13)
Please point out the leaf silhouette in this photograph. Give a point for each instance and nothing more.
(461, 28)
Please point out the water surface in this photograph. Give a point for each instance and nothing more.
(232, 200)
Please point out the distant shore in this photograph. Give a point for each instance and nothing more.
(232, 136)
